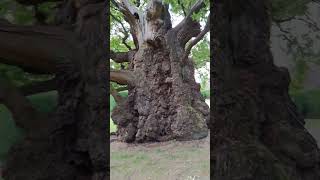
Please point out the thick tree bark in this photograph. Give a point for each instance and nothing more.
(75, 144)
(256, 131)
(164, 101)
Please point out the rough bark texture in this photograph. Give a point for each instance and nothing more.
(164, 101)
(256, 130)
(74, 146)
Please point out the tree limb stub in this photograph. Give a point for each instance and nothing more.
(122, 77)
(37, 48)
(121, 57)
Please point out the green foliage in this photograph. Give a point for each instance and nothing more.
(308, 102)
(299, 75)
(201, 53)
(205, 93)
(282, 9)
(16, 13)
(18, 77)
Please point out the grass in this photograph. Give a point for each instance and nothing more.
(173, 160)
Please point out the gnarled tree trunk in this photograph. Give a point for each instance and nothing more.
(71, 144)
(164, 101)
(257, 132)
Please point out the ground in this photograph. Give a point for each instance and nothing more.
(173, 160)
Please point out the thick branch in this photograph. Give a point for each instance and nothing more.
(39, 87)
(35, 48)
(23, 112)
(198, 38)
(194, 9)
(121, 57)
(33, 2)
(116, 95)
(122, 77)
(127, 10)
(189, 28)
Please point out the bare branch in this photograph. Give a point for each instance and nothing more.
(38, 87)
(182, 7)
(116, 95)
(125, 31)
(121, 57)
(33, 2)
(127, 10)
(24, 114)
(198, 38)
(122, 77)
(283, 20)
(35, 48)
(194, 9)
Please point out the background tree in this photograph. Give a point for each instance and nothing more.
(64, 41)
(164, 101)
(258, 133)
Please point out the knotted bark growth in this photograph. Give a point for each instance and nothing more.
(257, 132)
(164, 101)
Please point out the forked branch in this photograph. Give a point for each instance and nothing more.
(198, 38)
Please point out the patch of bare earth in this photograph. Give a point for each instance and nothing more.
(172, 160)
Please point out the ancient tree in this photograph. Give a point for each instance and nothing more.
(164, 101)
(256, 130)
(70, 143)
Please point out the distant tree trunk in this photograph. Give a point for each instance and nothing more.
(71, 144)
(257, 132)
(164, 101)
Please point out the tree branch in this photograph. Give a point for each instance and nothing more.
(122, 77)
(127, 10)
(189, 28)
(38, 87)
(33, 2)
(24, 114)
(194, 9)
(125, 31)
(198, 38)
(183, 8)
(35, 48)
(121, 57)
(116, 95)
